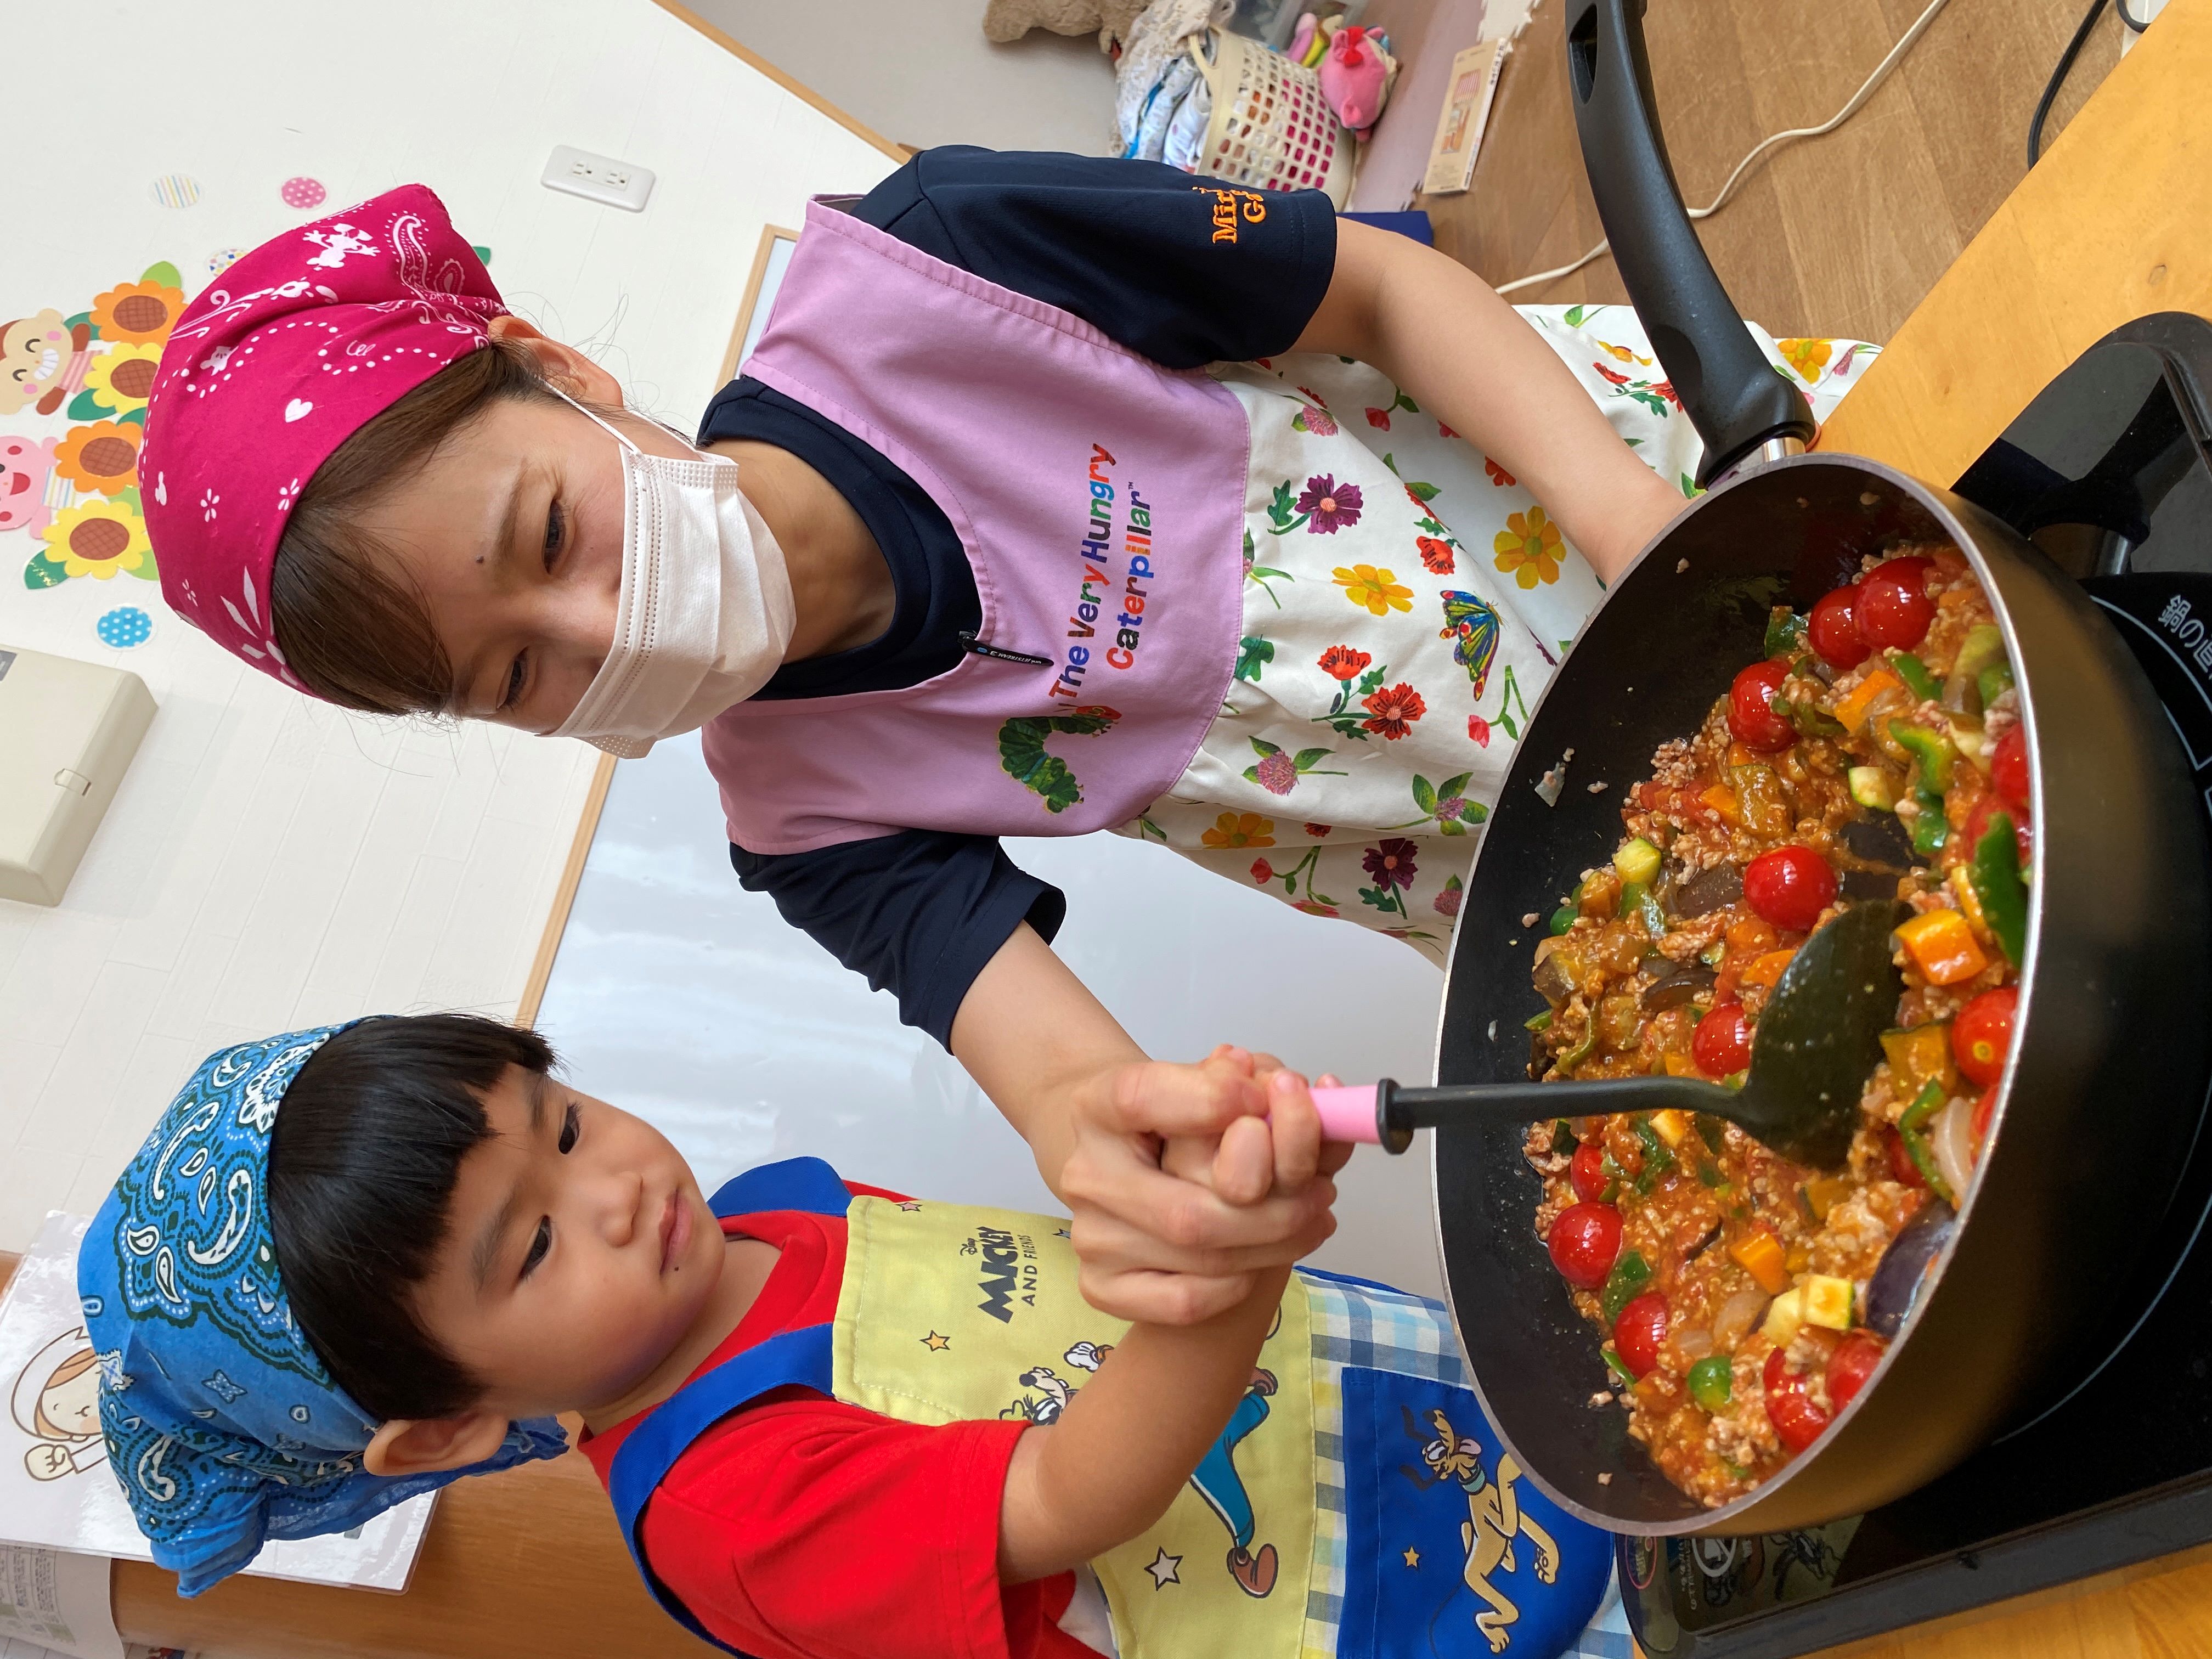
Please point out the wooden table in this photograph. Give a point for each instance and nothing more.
(2113, 224)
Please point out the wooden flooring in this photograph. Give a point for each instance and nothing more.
(1840, 235)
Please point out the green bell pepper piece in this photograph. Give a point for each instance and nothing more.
(1996, 876)
(1617, 1367)
(1624, 1283)
(1809, 721)
(1983, 648)
(1712, 1380)
(1935, 751)
(1994, 682)
(1912, 1128)
(1563, 919)
(1563, 1138)
(1930, 829)
(1785, 632)
(1914, 672)
(1576, 1055)
(1538, 1022)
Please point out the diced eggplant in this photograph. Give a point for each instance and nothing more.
(1553, 983)
(1709, 890)
(1895, 1287)
(1677, 985)
(1879, 839)
(1870, 885)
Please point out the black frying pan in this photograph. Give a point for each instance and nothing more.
(2100, 1102)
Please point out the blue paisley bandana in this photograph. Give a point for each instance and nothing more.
(220, 1421)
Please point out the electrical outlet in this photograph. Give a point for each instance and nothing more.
(597, 179)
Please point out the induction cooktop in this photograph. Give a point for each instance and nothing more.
(2108, 471)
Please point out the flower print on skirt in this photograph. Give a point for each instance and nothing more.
(1405, 601)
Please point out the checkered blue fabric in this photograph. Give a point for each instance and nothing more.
(1368, 1326)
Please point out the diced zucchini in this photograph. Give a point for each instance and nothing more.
(1637, 863)
(1785, 1316)
(1827, 1301)
(1982, 647)
(1873, 788)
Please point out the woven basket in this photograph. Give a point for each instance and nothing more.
(1271, 128)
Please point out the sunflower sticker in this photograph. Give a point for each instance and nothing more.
(74, 490)
(96, 538)
(102, 458)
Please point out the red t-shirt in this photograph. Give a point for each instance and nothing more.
(799, 1527)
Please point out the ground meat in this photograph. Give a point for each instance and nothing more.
(1701, 1202)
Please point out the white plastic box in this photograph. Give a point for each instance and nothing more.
(68, 731)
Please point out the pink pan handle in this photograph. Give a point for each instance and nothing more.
(1348, 1114)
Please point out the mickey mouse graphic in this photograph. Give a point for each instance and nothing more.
(56, 1403)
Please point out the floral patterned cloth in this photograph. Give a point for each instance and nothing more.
(1405, 601)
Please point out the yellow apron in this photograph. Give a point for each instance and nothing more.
(951, 1312)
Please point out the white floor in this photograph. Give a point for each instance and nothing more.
(678, 995)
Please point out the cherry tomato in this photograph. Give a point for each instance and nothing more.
(1796, 1419)
(2008, 768)
(1850, 1366)
(1833, 628)
(1588, 1172)
(1640, 1329)
(1721, 1043)
(1583, 1241)
(1981, 1036)
(1987, 807)
(1789, 887)
(1901, 1166)
(1750, 717)
(1984, 1108)
(1893, 609)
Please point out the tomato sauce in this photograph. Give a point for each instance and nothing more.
(1876, 751)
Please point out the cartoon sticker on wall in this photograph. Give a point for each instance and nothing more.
(77, 494)
(56, 1402)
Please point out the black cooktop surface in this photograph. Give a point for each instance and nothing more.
(2110, 472)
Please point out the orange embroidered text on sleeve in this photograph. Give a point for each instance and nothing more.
(1226, 206)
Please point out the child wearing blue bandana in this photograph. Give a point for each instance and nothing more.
(833, 1420)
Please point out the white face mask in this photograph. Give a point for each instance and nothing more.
(705, 614)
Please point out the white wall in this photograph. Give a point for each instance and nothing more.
(681, 997)
(920, 72)
(269, 862)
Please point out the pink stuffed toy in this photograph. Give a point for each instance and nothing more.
(1355, 76)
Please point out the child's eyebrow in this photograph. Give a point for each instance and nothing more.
(486, 1249)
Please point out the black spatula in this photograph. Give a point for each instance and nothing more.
(1819, 1038)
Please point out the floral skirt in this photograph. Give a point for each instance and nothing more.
(1405, 601)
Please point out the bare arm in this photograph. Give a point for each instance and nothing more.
(1441, 332)
(1095, 1112)
(1130, 1437)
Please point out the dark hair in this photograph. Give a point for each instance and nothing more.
(362, 1164)
(354, 633)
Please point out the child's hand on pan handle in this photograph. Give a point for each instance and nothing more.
(1241, 1166)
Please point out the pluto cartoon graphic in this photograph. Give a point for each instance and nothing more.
(56, 1403)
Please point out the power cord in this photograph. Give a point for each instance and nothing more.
(1906, 43)
(2066, 68)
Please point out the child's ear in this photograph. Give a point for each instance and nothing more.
(432, 1445)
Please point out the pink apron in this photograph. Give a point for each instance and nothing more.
(1100, 500)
